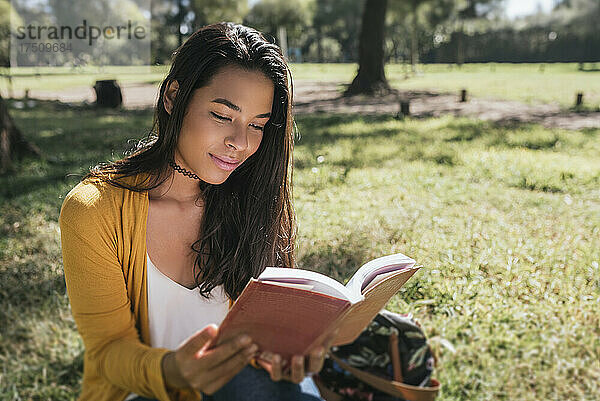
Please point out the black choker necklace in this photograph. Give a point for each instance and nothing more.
(183, 171)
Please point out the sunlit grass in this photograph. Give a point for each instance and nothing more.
(530, 83)
(505, 221)
(554, 83)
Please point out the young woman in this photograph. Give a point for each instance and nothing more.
(157, 245)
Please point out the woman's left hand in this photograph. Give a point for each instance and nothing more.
(300, 366)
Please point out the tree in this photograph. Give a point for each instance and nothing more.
(465, 16)
(99, 13)
(370, 78)
(166, 21)
(418, 21)
(211, 11)
(13, 145)
(579, 18)
(269, 15)
(337, 20)
(7, 13)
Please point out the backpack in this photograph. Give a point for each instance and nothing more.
(389, 361)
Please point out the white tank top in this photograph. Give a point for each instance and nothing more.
(176, 312)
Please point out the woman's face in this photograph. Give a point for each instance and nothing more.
(223, 124)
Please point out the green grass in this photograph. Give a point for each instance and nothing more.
(505, 221)
(557, 83)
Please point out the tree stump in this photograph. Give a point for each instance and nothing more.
(404, 109)
(108, 93)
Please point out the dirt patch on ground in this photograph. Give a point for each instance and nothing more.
(316, 96)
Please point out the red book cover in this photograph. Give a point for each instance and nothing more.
(280, 319)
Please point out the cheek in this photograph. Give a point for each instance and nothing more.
(255, 143)
(195, 133)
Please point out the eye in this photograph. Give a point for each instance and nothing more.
(220, 117)
(258, 127)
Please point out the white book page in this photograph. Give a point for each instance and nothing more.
(378, 279)
(369, 271)
(290, 285)
(320, 283)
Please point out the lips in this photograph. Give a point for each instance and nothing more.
(225, 163)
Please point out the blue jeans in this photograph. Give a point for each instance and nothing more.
(253, 384)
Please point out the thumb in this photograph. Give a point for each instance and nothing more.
(199, 339)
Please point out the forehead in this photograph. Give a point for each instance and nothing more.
(251, 90)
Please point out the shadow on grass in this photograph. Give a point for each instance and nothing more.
(75, 138)
(466, 131)
(25, 287)
(14, 186)
(72, 139)
(320, 128)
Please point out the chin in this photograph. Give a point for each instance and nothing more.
(216, 180)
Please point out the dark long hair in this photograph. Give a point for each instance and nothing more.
(248, 221)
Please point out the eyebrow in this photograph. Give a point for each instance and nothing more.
(236, 107)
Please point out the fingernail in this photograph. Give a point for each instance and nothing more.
(244, 340)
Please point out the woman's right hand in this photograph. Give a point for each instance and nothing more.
(195, 366)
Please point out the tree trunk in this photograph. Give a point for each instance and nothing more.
(371, 76)
(319, 45)
(460, 46)
(12, 144)
(414, 53)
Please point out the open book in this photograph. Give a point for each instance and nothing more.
(291, 311)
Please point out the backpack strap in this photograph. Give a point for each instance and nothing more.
(392, 387)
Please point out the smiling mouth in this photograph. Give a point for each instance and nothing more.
(224, 165)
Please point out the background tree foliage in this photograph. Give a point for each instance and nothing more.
(268, 15)
(5, 15)
(210, 11)
(336, 21)
(569, 33)
(448, 31)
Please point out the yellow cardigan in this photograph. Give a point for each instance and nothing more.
(103, 235)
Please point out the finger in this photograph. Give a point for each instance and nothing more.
(315, 360)
(199, 339)
(223, 373)
(226, 350)
(297, 373)
(274, 362)
(265, 365)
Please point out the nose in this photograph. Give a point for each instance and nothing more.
(238, 139)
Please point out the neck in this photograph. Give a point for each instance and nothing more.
(178, 187)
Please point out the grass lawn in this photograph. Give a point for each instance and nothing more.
(505, 221)
(557, 83)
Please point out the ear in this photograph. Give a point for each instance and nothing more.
(169, 96)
